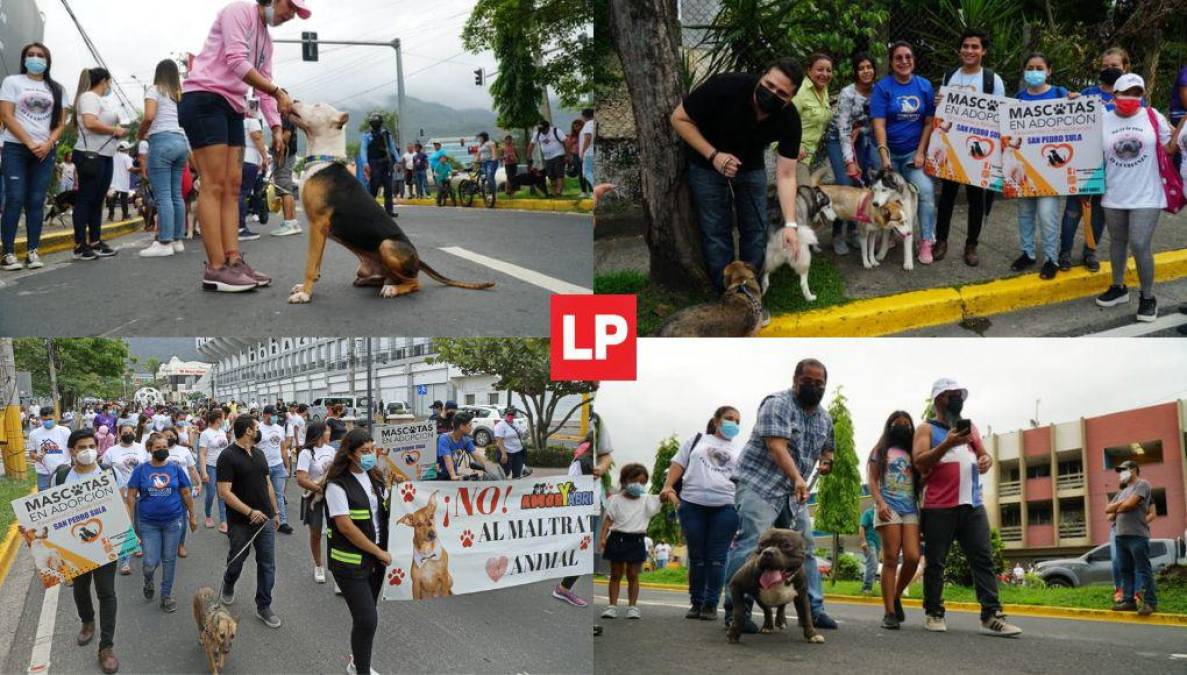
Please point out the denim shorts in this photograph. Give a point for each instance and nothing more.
(208, 119)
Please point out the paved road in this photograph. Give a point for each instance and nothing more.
(519, 629)
(663, 641)
(533, 254)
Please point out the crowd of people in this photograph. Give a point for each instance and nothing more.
(729, 121)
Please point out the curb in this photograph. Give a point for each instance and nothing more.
(1074, 613)
(932, 307)
(8, 551)
(555, 206)
(64, 241)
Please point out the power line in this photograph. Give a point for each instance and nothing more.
(391, 82)
(95, 53)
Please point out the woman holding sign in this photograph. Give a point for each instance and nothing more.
(358, 514)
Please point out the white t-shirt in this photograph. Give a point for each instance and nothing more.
(707, 470)
(295, 429)
(124, 460)
(52, 442)
(160, 420)
(511, 439)
(587, 136)
(121, 181)
(338, 506)
(965, 82)
(250, 126)
(165, 120)
(34, 103)
(315, 463)
(407, 158)
(1131, 167)
(663, 551)
(142, 148)
(271, 436)
(1182, 141)
(631, 515)
(88, 419)
(215, 441)
(182, 457)
(91, 103)
(67, 178)
(551, 144)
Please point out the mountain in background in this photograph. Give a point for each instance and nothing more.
(441, 121)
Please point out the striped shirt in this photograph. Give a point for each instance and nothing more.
(807, 434)
(955, 479)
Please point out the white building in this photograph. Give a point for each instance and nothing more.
(178, 378)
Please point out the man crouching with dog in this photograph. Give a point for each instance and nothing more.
(727, 123)
(791, 434)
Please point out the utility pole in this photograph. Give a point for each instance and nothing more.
(53, 377)
(370, 389)
(350, 367)
(10, 414)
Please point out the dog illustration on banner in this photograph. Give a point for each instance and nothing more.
(430, 560)
(53, 563)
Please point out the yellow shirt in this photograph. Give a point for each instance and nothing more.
(815, 115)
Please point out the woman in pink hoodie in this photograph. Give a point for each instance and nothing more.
(236, 57)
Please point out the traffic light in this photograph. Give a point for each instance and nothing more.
(309, 46)
(479, 77)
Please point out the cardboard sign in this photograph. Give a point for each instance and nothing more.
(1052, 147)
(450, 538)
(74, 528)
(965, 144)
(411, 448)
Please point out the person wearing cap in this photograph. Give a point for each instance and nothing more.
(1129, 511)
(377, 153)
(444, 424)
(950, 456)
(236, 57)
(47, 447)
(510, 444)
(271, 443)
(1134, 193)
(435, 412)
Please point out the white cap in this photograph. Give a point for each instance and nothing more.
(1129, 81)
(947, 384)
(124, 145)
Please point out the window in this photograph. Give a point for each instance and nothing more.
(1071, 466)
(1012, 475)
(1099, 554)
(469, 400)
(1011, 516)
(492, 399)
(1145, 452)
(1159, 496)
(1157, 548)
(1040, 471)
(1038, 514)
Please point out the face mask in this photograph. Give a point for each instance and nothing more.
(636, 489)
(1125, 476)
(1035, 78)
(955, 405)
(509, 418)
(258, 437)
(809, 395)
(270, 15)
(375, 124)
(48, 424)
(900, 437)
(1127, 107)
(267, 419)
(766, 99)
(35, 64)
(367, 461)
(160, 455)
(85, 457)
(1109, 75)
(127, 439)
(729, 428)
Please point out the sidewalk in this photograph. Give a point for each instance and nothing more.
(501, 202)
(55, 238)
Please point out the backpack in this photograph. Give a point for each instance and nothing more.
(986, 79)
(60, 473)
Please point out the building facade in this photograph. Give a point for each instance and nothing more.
(1049, 486)
(179, 378)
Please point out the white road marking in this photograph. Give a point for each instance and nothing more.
(522, 273)
(43, 643)
(1138, 328)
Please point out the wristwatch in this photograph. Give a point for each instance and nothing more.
(790, 223)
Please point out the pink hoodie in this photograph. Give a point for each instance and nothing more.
(238, 41)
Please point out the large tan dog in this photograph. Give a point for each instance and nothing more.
(738, 313)
(879, 210)
(216, 628)
(430, 562)
(339, 208)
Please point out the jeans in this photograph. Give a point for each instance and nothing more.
(212, 494)
(421, 177)
(970, 528)
(88, 210)
(489, 168)
(118, 197)
(904, 164)
(864, 153)
(708, 531)
(245, 190)
(43, 481)
(514, 465)
(104, 578)
(26, 180)
(712, 201)
(587, 168)
(279, 476)
(265, 549)
(135, 528)
(160, 541)
(1115, 557)
(1047, 210)
(361, 592)
(167, 153)
(1136, 573)
(1072, 212)
(1132, 230)
(381, 178)
(873, 557)
(803, 525)
(980, 201)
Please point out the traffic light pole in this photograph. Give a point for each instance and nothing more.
(401, 138)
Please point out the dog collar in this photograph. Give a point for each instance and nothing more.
(317, 159)
(755, 303)
(419, 559)
(863, 207)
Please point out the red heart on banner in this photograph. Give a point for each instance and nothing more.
(496, 567)
(979, 147)
(1058, 154)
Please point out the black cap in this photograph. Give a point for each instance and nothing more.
(437, 404)
(269, 410)
(1127, 464)
(510, 410)
(451, 405)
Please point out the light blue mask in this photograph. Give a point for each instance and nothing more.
(48, 424)
(35, 64)
(1035, 78)
(367, 462)
(729, 429)
(636, 489)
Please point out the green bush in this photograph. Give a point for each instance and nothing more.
(1033, 581)
(847, 568)
(555, 457)
(956, 569)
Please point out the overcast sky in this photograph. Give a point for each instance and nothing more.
(133, 35)
(682, 381)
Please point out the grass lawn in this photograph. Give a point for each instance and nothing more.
(1096, 596)
(572, 192)
(10, 489)
(655, 305)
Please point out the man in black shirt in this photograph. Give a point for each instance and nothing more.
(728, 123)
(244, 484)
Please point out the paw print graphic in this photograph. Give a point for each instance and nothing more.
(585, 541)
(395, 577)
(467, 539)
(407, 491)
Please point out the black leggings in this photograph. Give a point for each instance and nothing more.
(980, 203)
(361, 592)
(104, 578)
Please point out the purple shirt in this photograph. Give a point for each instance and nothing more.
(238, 41)
(1177, 108)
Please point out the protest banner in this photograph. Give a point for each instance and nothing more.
(74, 528)
(1052, 147)
(451, 538)
(965, 139)
(410, 448)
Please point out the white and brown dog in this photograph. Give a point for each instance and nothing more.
(810, 203)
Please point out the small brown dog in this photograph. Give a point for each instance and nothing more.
(430, 562)
(738, 313)
(216, 627)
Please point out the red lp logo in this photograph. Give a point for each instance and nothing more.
(593, 337)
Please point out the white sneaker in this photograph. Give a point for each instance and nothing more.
(178, 247)
(9, 263)
(610, 613)
(287, 229)
(253, 218)
(32, 260)
(337, 591)
(350, 669)
(156, 250)
(319, 575)
(997, 625)
(935, 624)
(632, 612)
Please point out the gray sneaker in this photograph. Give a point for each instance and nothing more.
(227, 597)
(839, 245)
(168, 605)
(996, 625)
(269, 617)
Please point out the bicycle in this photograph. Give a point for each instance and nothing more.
(476, 183)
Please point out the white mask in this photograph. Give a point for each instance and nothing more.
(1125, 476)
(85, 457)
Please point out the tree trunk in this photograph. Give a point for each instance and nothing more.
(53, 378)
(646, 35)
(832, 573)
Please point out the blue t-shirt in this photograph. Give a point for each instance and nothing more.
(1176, 108)
(1053, 92)
(904, 107)
(1103, 95)
(446, 446)
(867, 522)
(159, 491)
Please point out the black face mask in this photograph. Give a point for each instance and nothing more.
(127, 439)
(258, 437)
(1109, 75)
(376, 124)
(900, 437)
(767, 101)
(809, 395)
(160, 455)
(955, 405)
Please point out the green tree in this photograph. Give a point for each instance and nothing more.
(522, 366)
(957, 570)
(839, 494)
(390, 120)
(518, 88)
(85, 366)
(664, 525)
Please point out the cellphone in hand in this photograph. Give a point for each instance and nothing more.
(964, 425)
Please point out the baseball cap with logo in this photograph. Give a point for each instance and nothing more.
(1129, 81)
(947, 384)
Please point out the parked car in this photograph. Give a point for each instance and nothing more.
(351, 406)
(398, 412)
(485, 418)
(1096, 566)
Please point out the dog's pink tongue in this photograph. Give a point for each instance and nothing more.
(770, 578)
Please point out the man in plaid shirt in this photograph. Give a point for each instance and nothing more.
(791, 434)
